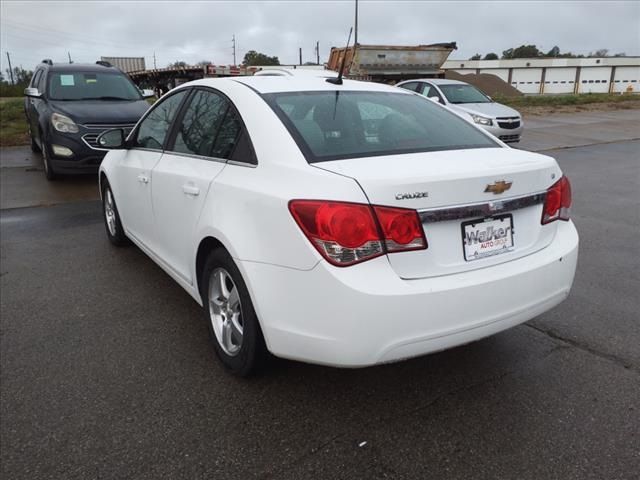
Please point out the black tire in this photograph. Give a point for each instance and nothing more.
(49, 172)
(110, 213)
(252, 355)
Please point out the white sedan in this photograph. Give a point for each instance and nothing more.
(341, 224)
(470, 103)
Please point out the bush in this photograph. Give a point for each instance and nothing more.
(13, 124)
(554, 100)
(7, 90)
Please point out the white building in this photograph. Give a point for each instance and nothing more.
(559, 75)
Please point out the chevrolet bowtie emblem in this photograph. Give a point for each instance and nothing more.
(498, 187)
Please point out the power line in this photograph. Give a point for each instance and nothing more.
(40, 41)
(48, 31)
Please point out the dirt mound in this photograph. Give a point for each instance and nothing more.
(489, 84)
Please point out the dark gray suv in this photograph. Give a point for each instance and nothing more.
(69, 105)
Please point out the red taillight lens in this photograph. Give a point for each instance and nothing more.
(557, 204)
(344, 233)
(347, 233)
(401, 228)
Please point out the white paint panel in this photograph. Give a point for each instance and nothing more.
(559, 80)
(502, 73)
(627, 77)
(527, 80)
(594, 80)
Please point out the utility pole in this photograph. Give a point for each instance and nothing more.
(233, 41)
(10, 69)
(355, 42)
(154, 61)
(69, 55)
(300, 53)
(318, 53)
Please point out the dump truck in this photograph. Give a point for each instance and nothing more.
(391, 63)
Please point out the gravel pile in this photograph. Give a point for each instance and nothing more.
(489, 84)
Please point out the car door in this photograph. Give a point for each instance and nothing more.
(204, 137)
(134, 182)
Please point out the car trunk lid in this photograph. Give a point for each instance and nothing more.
(453, 193)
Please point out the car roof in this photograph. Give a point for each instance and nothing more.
(294, 72)
(80, 67)
(437, 81)
(275, 84)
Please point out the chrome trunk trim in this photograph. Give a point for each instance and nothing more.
(481, 209)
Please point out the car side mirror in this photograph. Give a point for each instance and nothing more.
(112, 139)
(32, 92)
(434, 99)
(146, 93)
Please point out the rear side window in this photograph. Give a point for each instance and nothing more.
(413, 86)
(153, 129)
(227, 135)
(197, 131)
(210, 127)
(334, 125)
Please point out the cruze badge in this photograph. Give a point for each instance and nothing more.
(498, 187)
(410, 196)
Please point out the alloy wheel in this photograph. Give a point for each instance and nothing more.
(225, 311)
(109, 212)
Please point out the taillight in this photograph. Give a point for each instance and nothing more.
(557, 203)
(348, 233)
(401, 228)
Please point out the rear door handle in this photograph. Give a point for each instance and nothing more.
(189, 189)
(143, 178)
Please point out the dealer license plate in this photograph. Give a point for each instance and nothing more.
(487, 237)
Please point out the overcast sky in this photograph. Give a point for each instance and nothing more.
(194, 31)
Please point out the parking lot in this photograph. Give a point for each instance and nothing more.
(107, 370)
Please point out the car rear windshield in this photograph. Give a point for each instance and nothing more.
(457, 93)
(91, 86)
(335, 125)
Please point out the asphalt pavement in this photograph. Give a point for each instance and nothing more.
(106, 370)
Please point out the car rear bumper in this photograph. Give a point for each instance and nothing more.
(365, 314)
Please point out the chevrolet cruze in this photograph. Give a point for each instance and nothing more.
(469, 102)
(344, 224)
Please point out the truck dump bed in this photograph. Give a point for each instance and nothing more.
(390, 62)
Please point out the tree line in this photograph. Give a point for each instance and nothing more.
(251, 58)
(531, 51)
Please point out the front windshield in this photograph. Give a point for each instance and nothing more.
(91, 86)
(333, 125)
(460, 93)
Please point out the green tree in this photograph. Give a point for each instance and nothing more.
(491, 56)
(523, 51)
(20, 75)
(554, 52)
(252, 58)
(477, 56)
(178, 64)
